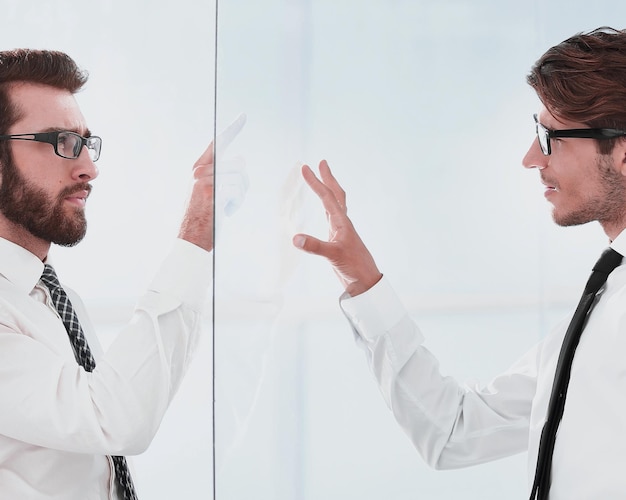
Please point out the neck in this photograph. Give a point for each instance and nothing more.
(20, 236)
(613, 228)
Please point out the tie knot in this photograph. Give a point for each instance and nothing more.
(49, 277)
(608, 261)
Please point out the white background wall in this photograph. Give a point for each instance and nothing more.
(422, 110)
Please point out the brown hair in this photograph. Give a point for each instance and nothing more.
(583, 79)
(45, 67)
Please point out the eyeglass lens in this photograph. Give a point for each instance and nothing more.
(543, 137)
(69, 145)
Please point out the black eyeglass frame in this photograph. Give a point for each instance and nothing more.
(53, 138)
(574, 133)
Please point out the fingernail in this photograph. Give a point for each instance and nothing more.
(299, 240)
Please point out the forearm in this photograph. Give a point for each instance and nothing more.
(451, 425)
(116, 408)
(153, 353)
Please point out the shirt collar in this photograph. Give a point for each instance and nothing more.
(619, 243)
(19, 266)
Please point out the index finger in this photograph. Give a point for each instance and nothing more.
(328, 189)
(222, 141)
(227, 136)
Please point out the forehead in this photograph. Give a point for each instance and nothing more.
(553, 122)
(41, 107)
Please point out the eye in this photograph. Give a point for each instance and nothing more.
(69, 144)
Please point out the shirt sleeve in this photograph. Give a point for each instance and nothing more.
(117, 408)
(451, 425)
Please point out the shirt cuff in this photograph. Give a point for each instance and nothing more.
(185, 274)
(374, 312)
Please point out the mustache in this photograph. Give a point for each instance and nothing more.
(546, 181)
(70, 190)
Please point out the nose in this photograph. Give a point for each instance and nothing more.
(83, 168)
(534, 157)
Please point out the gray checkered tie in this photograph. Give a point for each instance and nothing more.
(85, 359)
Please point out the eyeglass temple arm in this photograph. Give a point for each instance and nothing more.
(588, 133)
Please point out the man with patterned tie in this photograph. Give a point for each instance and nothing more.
(70, 414)
(565, 400)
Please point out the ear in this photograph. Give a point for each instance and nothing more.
(619, 155)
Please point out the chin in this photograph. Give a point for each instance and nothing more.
(570, 219)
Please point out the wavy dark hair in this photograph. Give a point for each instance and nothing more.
(46, 67)
(583, 79)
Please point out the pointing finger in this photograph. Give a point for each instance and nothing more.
(223, 140)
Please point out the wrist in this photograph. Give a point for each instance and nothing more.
(358, 287)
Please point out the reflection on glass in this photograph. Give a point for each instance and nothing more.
(400, 98)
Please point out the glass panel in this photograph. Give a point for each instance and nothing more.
(422, 110)
(150, 97)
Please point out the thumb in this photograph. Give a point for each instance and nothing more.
(309, 244)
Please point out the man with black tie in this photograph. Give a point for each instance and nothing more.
(565, 400)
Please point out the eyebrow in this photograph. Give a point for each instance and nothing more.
(87, 132)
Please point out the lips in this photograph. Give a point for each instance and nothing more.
(82, 194)
(77, 196)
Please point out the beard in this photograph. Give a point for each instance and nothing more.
(607, 207)
(41, 215)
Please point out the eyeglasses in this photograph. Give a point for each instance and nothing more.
(544, 135)
(66, 144)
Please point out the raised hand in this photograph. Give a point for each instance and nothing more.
(198, 223)
(346, 252)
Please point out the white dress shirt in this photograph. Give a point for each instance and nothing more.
(59, 423)
(453, 425)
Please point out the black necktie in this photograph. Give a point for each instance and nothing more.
(85, 359)
(608, 261)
